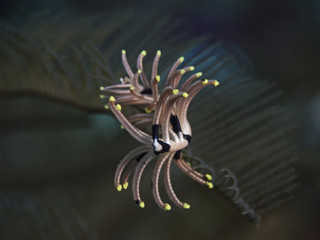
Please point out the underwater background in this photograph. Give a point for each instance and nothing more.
(59, 148)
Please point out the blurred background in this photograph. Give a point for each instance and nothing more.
(57, 161)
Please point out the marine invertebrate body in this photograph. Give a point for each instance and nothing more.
(166, 113)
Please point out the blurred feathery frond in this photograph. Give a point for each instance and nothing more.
(239, 129)
(242, 131)
(68, 60)
(32, 216)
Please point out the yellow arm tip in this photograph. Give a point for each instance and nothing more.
(112, 99)
(123, 51)
(101, 88)
(209, 184)
(139, 71)
(101, 96)
(158, 78)
(118, 106)
(131, 88)
(208, 177)
(119, 188)
(144, 52)
(215, 83)
(185, 95)
(181, 59)
(125, 185)
(199, 74)
(159, 53)
(106, 106)
(147, 110)
(186, 206)
(142, 205)
(182, 71)
(167, 207)
(204, 82)
(175, 91)
(189, 164)
(192, 68)
(121, 126)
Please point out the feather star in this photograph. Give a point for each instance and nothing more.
(166, 112)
